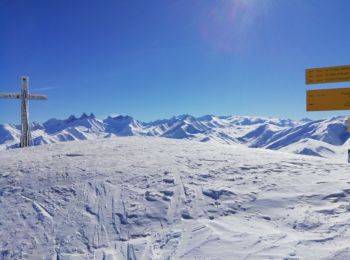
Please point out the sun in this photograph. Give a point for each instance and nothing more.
(229, 24)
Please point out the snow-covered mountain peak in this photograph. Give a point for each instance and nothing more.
(123, 125)
(206, 118)
(252, 131)
(87, 121)
(120, 118)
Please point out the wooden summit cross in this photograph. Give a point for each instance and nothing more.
(24, 95)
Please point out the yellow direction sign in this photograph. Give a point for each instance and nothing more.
(328, 75)
(328, 99)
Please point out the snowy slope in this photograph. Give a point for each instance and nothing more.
(324, 138)
(314, 147)
(158, 198)
(9, 134)
(304, 137)
(332, 131)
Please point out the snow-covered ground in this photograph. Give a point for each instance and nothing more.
(157, 198)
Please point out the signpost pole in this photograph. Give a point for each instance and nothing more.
(348, 131)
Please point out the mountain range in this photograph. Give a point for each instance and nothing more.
(324, 138)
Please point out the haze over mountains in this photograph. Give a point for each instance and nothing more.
(325, 138)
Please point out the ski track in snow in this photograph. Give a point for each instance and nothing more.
(156, 198)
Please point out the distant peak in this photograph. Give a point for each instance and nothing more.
(71, 118)
(205, 118)
(185, 117)
(120, 118)
(86, 116)
(306, 120)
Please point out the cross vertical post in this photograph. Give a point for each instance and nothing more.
(25, 137)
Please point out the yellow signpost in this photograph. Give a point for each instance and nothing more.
(328, 75)
(328, 99)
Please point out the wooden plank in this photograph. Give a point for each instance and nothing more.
(10, 95)
(327, 75)
(25, 136)
(37, 97)
(328, 99)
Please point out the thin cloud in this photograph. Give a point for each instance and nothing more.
(44, 89)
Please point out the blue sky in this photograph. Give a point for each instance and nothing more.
(157, 58)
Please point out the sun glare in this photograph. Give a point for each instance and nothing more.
(228, 24)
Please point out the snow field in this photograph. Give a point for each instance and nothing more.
(156, 198)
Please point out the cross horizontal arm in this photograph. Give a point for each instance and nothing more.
(37, 97)
(10, 95)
